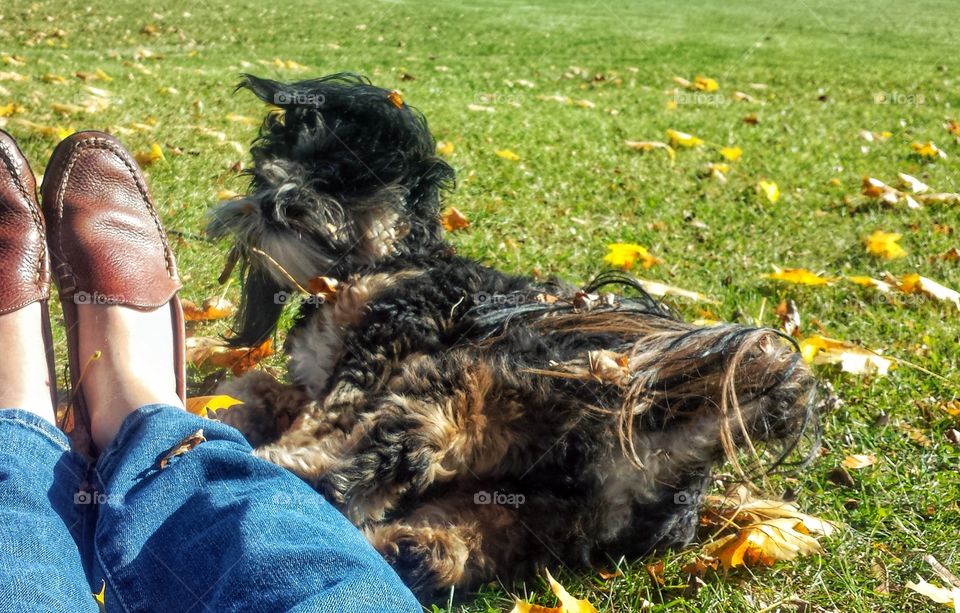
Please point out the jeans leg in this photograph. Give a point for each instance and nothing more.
(220, 530)
(40, 523)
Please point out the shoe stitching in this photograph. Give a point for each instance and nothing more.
(101, 143)
(6, 153)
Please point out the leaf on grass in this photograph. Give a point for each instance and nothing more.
(237, 118)
(682, 139)
(10, 109)
(915, 284)
(884, 244)
(764, 543)
(207, 406)
(881, 286)
(651, 145)
(953, 127)
(58, 133)
(507, 154)
(54, 79)
(12, 76)
(858, 461)
(661, 290)
(146, 158)
(444, 148)
(716, 171)
(789, 316)
(731, 154)
(214, 352)
(877, 189)
(912, 183)
(799, 276)
(928, 150)
(949, 596)
(739, 508)
(769, 189)
(211, 309)
(625, 255)
(705, 84)
(851, 358)
(568, 604)
(453, 220)
(480, 108)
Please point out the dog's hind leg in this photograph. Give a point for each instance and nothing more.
(441, 418)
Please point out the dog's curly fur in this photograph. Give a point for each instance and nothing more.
(473, 424)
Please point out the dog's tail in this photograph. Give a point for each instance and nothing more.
(344, 174)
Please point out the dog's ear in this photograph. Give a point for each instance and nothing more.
(261, 306)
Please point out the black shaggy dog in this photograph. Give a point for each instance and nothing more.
(472, 423)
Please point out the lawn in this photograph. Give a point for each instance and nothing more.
(828, 71)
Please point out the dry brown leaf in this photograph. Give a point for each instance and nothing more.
(949, 596)
(204, 351)
(212, 309)
(764, 543)
(187, 444)
(915, 284)
(453, 220)
(789, 316)
(655, 572)
(740, 508)
(858, 461)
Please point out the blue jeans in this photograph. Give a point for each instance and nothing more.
(216, 530)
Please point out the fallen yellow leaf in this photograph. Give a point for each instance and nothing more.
(851, 358)
(145, 158)
(650, 145)
(8, 110)
(884, 245)
(444, 148)
(625, 255)
(508, 155)
(928, 150)
(764, 543)
(207, 406)
(800, 276)
(660, 290)
(769, 189)
(705, 84)
(682, 139)
(731, 154)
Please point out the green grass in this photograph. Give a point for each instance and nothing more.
(577, 188)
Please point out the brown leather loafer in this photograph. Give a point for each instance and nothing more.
(25, 269)
(106, 241)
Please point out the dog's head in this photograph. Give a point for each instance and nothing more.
(344, 175)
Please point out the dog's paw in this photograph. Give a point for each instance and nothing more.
(427, 559)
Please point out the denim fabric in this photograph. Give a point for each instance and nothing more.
(216, 530)
(40, 526)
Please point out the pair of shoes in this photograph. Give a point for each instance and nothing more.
(101, 233)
